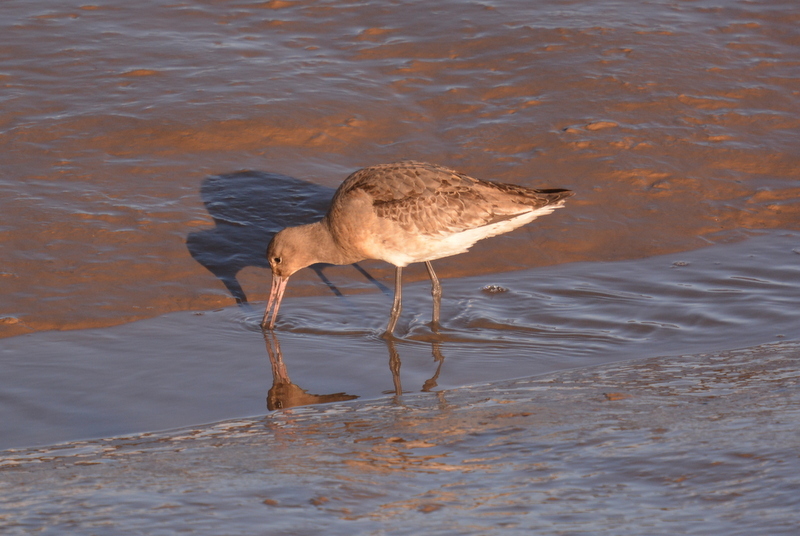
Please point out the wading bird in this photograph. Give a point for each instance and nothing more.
(402, 213)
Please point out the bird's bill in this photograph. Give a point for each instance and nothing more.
(275, 297)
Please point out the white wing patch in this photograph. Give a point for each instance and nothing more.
(429, 248)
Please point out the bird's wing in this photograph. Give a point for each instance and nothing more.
(421, 198)
(433, 200)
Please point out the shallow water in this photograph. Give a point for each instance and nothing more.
(200, 367)
(693, 444)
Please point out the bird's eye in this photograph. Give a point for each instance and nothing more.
(276, 260)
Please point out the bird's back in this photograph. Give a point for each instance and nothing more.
(430, 199)
(413, 211)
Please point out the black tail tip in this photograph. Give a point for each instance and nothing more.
(556, 194)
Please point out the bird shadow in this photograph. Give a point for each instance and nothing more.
(248, 208)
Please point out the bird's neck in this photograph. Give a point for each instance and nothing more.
(324, 248)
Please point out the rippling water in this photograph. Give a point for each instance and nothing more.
(207, 366)
(671, 120)
(703, 444)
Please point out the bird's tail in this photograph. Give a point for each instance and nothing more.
(554, 195)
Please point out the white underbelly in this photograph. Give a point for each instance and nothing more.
(405, 248)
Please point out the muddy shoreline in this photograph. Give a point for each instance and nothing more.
(676, 124)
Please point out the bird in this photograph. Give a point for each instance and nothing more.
(402, 213)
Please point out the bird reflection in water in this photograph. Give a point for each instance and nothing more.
(394, 366)
(285, 394)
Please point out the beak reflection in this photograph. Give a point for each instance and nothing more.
(285, 394)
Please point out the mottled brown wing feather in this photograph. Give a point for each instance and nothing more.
(431, 200)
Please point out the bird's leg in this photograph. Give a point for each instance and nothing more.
(397, 305)
(436, 292)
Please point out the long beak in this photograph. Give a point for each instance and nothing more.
(275, 297)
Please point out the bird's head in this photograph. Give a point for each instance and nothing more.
(289, 251)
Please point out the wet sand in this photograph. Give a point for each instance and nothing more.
(675, 122)
(151, 150)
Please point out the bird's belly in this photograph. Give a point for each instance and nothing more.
(391, 242)
(403, 248)
(419, 249)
